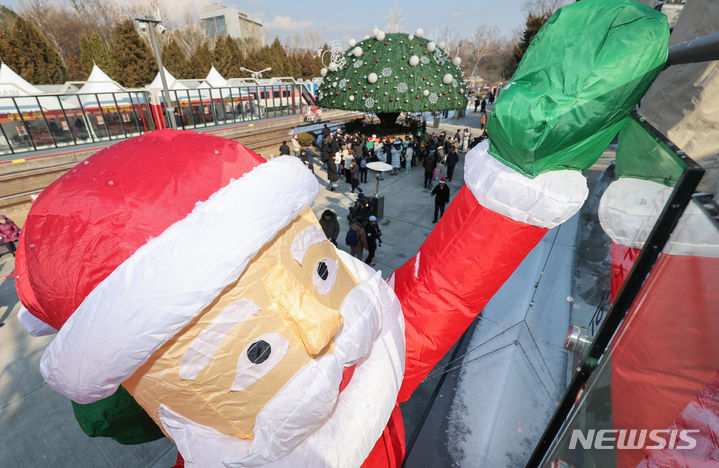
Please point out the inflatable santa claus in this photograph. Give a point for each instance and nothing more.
(183, 272)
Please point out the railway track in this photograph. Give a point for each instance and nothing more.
(19, 182)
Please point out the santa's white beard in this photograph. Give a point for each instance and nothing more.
(308, 422)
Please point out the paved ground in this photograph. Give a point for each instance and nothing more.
(37, 425)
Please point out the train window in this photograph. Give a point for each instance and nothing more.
(264, 94)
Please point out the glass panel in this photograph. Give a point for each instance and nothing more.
(77, 120)
(656, 392)
(55, 119)
(94, 116)
(13, 128)
(111, 114)
(35, 122)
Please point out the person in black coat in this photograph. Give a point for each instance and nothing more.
(452, 161)
(374, 236)
(330, 225)
(284, 149)
(429, 164)
(441, 197)
(326, 132)
(331, 173)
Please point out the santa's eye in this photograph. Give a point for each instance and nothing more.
(322, 270)
(325, 275)
(258, 359)
(259, 351)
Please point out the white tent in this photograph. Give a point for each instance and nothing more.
(99, 82)
(172, 83)
(11, 84)
(214, 79)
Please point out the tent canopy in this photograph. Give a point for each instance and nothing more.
(11, 84)
(99, 82)
(172, 83)
(214, 79)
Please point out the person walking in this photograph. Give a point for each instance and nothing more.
(356, 238)
(295, 145)
(364, 159)
(354, 171)
(452, 161)
(306, 160)
(331, 174)
(408, 155)
(483, 108)
(476, 103)
(374, 237)
(330, 225)
(483, 121)
(466, 138)
(441, 197)
(9, 234)
(396, 155)
(284, 149)
(429, 163)
(347, 158)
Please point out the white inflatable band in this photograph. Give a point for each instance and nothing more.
(629, 208)
(546, 201)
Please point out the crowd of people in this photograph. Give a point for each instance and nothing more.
(345, 156)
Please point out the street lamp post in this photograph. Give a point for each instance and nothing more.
(154, 25)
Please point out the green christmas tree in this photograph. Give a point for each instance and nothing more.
(135, 64)
(392, 73)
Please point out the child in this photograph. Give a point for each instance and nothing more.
(9, 233)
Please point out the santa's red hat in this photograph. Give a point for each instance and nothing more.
(124, 250)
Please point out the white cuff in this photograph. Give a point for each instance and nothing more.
(546, 201)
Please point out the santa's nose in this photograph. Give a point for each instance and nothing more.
(316, 323)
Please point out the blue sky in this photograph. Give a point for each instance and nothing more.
(344, 20)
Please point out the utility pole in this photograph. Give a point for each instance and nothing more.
(153, 25)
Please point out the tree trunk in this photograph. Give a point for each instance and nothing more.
(387, 119)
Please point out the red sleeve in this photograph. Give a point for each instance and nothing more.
(463, 262)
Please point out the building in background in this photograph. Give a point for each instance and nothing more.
(220, 20)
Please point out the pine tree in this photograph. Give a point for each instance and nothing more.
(30, 54)
(236, 58)
(174, 60)
(95, 50)
(533, 24)
(392, 73)
(201, 61)
(222, 57)
(136, 66)
(76, 70)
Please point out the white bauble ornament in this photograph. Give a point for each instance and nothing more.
(357, 51)
(419, 32)
(447, 79)
(413, 60)
(332, 67)
(431, 46)
(379, 35)
(425, 92)
(352, 42)
(442, 44)
(352, 98)
(457, 61)
(410, 37)
(323, 72)
(372, 78)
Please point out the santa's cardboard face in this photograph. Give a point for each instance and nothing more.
(266, 360)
